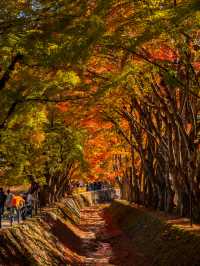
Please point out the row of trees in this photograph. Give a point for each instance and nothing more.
(38, 55)
(149, 91)
(39, 147)
(162, 131)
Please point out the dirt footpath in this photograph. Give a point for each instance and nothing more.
(106, 244)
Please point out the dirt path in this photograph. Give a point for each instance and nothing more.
(107, 245)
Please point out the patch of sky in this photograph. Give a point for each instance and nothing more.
(36, 5)
(21, 14)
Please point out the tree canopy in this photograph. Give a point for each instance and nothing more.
(102, 89)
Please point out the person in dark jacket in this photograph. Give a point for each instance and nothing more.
(95, 186)
(34, 187)
(2, 201)
(99, 185)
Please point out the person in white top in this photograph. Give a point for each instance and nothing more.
(29, 199)
(9, 197)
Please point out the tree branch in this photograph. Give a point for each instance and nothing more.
(17, 102)
(6, 76)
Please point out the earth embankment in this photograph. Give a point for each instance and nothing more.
(161, 243)
(51, 238)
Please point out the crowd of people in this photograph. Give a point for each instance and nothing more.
(22, 204)
(92, 186)
(96, 186)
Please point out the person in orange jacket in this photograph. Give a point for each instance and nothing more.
(18, 202)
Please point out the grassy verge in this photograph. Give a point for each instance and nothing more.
(161, 243)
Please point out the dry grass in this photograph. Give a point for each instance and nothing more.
(164, 241)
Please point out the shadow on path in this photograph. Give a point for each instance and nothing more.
(108, 245)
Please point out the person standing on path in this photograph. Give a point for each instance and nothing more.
(26, 210)
(2, 201)
(9, 205)
(9, 197)
(30, 201)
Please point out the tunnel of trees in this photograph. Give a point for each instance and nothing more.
(102, 90)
